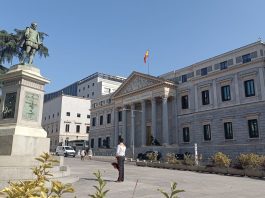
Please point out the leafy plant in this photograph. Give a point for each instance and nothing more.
(189, 160)
(174, 191)
(171, 158)
(36, 188)
(100, 193)
(221, 160)
(152, 156)
(250, 160)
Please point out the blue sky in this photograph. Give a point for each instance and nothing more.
(111, 36)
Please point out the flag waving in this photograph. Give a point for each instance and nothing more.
(146, 56)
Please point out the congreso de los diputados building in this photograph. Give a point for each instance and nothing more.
(218, 103)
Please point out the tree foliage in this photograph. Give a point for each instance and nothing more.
(10, 45)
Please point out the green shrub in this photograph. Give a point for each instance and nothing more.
(221, 160)
(189, 160)
(36, 188)
(250, 160)
(152, 156)
(174, 191)
(171, 158)
(100, 193)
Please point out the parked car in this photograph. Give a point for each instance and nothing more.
(65, 151)
(143, 156)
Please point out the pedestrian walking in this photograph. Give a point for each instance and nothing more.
(120, 155)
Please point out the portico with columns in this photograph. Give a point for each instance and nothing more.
(145, 111)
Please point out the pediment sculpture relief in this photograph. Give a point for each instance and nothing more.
(137, 83)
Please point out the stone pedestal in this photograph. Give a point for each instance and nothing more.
(21, 136)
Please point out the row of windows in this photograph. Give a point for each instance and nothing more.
(77, 128)
(249, 88)
(101, 103)
(219, 66)
(101, 120)
(228, 131)
(102, 143)
(77, 115)
(93, 84)
(49, 117)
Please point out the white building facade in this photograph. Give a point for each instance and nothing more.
(217, 103)
(66, 118)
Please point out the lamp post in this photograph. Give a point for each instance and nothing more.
(132, 127)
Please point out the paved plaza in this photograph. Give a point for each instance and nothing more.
(150, 179)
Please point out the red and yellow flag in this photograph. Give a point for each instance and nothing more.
(146, 56)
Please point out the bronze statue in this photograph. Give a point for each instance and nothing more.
(30, 43)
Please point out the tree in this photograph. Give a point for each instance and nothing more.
(10, 45)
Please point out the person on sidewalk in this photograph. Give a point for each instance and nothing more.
(120, 155)
(83, 153)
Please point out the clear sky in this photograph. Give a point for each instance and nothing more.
(111, 36)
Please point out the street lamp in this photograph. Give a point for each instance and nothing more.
(132, 127)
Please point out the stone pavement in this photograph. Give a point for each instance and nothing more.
(150, 179)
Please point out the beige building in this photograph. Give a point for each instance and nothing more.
(217, 103)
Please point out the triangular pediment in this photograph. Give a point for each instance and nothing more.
(137, 82)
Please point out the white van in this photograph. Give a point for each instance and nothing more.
(65, 151)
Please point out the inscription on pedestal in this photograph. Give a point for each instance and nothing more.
(31, 107)
(10, 105)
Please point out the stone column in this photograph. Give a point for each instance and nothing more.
(175, 114)
(262, 86)
(237, 89)
(132, 134)
(143, 126)
(153, 101)
(124, 131)
(214, 95)
(196, 98)
(165, 121)
(116, 127)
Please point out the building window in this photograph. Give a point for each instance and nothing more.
(108, 118)
(88, 116)
(228, 130)
(78, 115)
(101, 120)
(87, 86)
(249, 88)
(92, 143)
(204, 71)
(120, 116)
(225, 92)
(99, 142)
(223, 65)
(246, 58)
(93, 84)
(83, 88)
(205, 97)
(58, 114)
(45, 118)
(78, 90)
(49, 117)
(67, 113)
(186, 134)
(207, 132)
(253, 128)
(67, 128)
(108, 142)
(87, 96)
(94, 121)
(185, 102)
(184, 78)
(53, 115)
(87, 129)
(93, 93)
(78, 128)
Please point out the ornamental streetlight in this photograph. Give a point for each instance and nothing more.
(132, 127)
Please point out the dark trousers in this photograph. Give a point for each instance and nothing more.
(121, 167)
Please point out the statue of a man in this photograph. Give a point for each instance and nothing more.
(31, 43)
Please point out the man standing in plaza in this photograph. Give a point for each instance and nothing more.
(120, 155)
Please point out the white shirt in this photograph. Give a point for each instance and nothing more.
(121, 148)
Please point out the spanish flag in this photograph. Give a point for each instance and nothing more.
(146, 55)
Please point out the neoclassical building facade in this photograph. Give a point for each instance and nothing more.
(218, 103)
